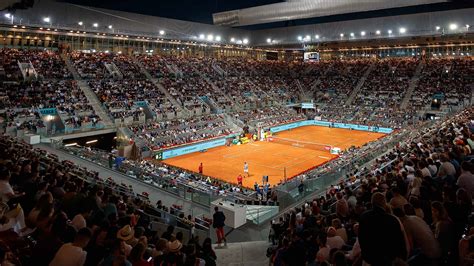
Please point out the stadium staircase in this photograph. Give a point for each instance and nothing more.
(156, 82)
(250, 253)
(472, 93)
(412, 85)
(305, 95)
(219, 70)
(27, 71)
(217, 89)
(113, 70)
(215, 108)
(235, 124)
(259, 214)
(314, 86)
(360, 84)
(99, 109)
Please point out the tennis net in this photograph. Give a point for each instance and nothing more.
(301, 144)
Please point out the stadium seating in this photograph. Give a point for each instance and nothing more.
(412, 183)
(59, 199)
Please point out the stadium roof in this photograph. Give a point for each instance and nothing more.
(294, 11)
(91, 19)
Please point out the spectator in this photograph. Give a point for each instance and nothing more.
(73, 253)
(466, 179)
(381, 235)
(218, 223)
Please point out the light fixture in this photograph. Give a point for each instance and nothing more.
(210, 37)
(218, 38)
(8, 15)
(389, 31)
(91, 141)
(352, 34)
(377, 32)
(307, 38)
(468, 26)
(316, 36)
(245, 41)
(342, 35)
(438, 27)
(47, 19)
(402, 30)
(110, 27)
(232, 39)
(362, 33)
(162, 32)
(70, 144)
(201, 36)
(95, 25)
(300, 38)
(453, 26)
(269, 40)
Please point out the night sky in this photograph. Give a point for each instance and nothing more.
(190, 10)
(202, 10)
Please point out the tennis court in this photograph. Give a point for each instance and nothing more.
(293, 152)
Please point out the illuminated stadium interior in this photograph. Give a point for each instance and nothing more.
(310, 125)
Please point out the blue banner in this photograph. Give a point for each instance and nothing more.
(141, 104)
(192, 148)
(327, 124)
(48, 111)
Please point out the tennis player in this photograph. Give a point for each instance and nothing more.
(246, 169)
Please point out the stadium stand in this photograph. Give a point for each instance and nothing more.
(401, 199)
(423, 182)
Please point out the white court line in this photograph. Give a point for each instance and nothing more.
(324, 157)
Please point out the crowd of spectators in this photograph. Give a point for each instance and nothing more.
(170, 133)
(412, 206)
(449, 78)
(48, 64)
(270, 116)
(55, 213)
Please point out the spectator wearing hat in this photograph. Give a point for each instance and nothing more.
(174, 255)
(126, 234)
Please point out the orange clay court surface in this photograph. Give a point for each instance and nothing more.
(268, 158)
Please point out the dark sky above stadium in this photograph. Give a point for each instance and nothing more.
(202, 10)
(190, 10)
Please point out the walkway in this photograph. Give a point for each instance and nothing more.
(243, 254)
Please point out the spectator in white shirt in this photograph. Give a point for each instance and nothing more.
(79, 221)
(334, 241)
(324, 249)
(6, 190)
(355, 251)
(72, 254)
